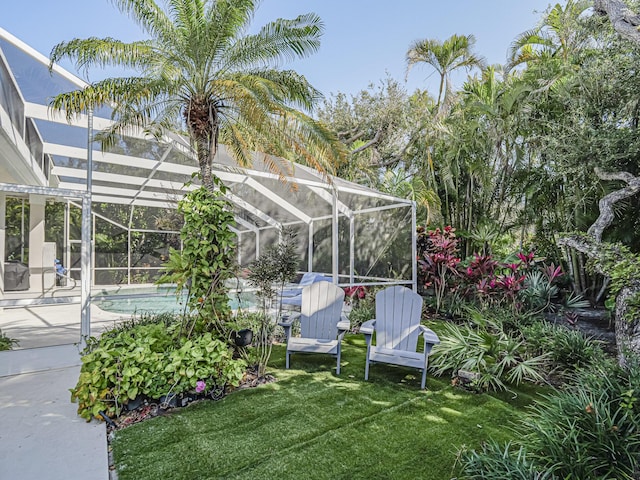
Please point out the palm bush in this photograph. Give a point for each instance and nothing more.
(199, 71)
(484, 347)
(6, 342)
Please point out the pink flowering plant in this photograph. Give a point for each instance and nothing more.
(521, 282)
(439, 263)
(201, 386)
(361, 300)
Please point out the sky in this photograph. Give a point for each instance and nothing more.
(364, 41)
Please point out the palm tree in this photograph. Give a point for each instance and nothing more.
(558, 37)
(200, 72)
(452, 54)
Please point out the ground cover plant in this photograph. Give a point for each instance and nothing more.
(150, 359)
(314, 424)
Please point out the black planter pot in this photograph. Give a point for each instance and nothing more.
(135, 403)
(169, 401)
(243, 337)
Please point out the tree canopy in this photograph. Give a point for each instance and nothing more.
(199, 72)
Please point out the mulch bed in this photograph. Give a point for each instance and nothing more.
(154, 408)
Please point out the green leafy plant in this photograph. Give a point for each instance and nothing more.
(568, 349)
(362, 302)
(589, 429)
(7, 343)
(207, 258)
(150, 359)
(482, 346)
(495, 461)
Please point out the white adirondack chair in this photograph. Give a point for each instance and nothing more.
(322, 325)
(397, 327)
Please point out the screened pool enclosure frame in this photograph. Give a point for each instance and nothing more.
(357, 235)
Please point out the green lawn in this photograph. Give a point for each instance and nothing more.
(313, 424)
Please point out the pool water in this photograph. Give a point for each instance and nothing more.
(158, 300)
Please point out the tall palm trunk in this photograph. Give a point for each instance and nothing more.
(202, 121)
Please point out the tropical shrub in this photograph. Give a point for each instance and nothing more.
(363, 307)
(269, 273)
(519, 282)
(438, 262)
(499, 462)
(483, 347)
(150, 359)
(590, 429)
(568, 349)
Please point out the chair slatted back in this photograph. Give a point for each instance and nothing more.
(398, 312)
(320, 310)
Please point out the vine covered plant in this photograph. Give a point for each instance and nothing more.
(208, 255)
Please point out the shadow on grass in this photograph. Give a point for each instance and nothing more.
(314, 424)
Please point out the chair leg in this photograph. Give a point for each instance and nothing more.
(287, 360)
(366, 369)
(424, 372)
(338, 367)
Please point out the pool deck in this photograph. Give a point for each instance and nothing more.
(42, 437)
(48, 325)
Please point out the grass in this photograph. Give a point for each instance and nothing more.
(313, 424)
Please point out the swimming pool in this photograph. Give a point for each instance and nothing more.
(158, 300)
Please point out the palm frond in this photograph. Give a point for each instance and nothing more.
(102, 52)
(277, 42)
(148, 15)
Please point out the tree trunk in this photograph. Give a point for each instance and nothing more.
(606, 203)
(623, 20)
(627, 332)
(626, 23)
(627, 329)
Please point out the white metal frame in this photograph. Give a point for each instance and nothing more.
(152, 192)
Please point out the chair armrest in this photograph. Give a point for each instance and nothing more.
(288, 320)
(344, 324)
(290, 292)
(368, 327)
(429, 335)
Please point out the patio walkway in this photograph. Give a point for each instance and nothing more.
(42, 437)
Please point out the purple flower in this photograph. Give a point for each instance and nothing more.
(200, 386)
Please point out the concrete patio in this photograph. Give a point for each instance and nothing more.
(42, 437)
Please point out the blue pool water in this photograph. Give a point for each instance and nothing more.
(158, 300)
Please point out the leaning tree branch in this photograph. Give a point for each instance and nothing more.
(370, 143)
(592, 248)
(607, 202)
(623, 20)
(351, 131)
(355, 137)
